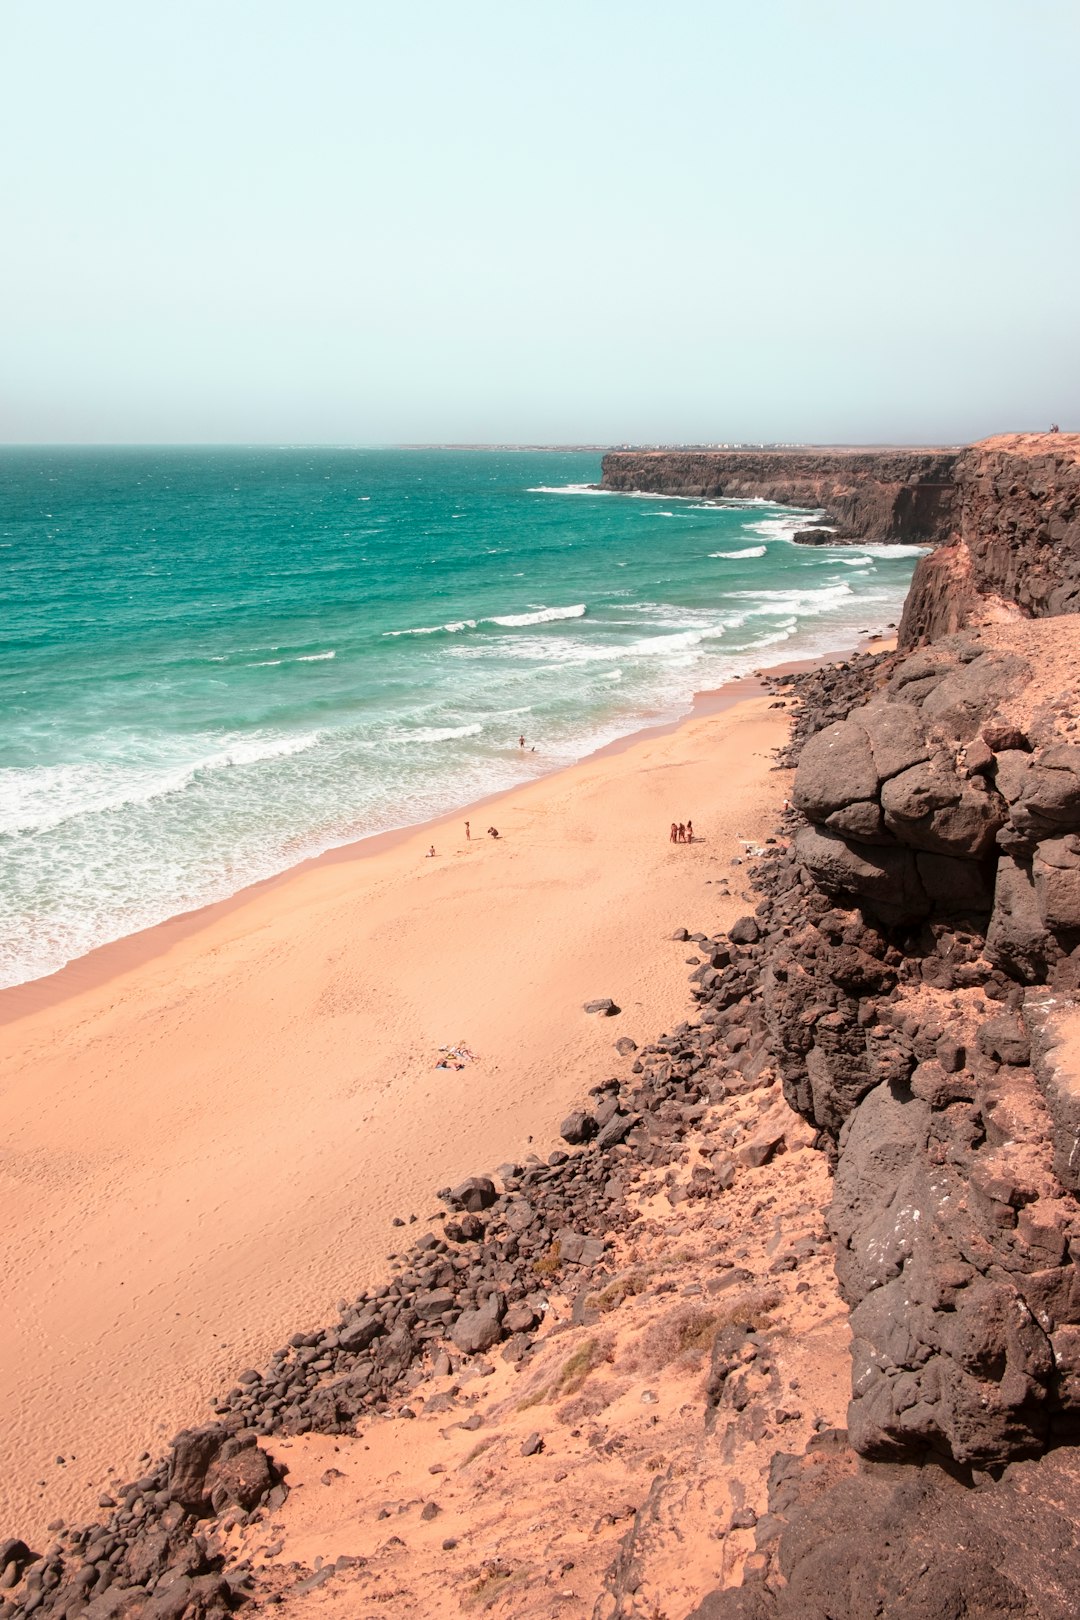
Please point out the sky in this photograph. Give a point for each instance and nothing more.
(331, 221)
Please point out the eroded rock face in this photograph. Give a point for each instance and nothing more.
(937, 860)
(869, 495)
(845, 1539)
(1016, 544)
(927, 801)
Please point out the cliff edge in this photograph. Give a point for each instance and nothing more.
(884, 495)
(1015, 548)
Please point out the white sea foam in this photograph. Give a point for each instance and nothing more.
(507, 621)
(747, 551)
(436, 629)
(593, 489)
(808, 603)
(433, 734)
(538, 616)
(41, 797)
(781, 528)
(316, 658)
(568, 489)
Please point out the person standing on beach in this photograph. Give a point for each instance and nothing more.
(468, 834)
(674, 831)
(521, 742)
(682, 833)
(689, 832)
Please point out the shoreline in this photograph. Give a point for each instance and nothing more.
(112, 959)
(213, 1142)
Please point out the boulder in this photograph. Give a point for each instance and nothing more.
(603, 1006)
(577, 1127)
(616, 1128)
(931, 808)
(358, 1335)
(433, 1306)
(960, 702)
(193, 1451)
(896, 735)
(1017, 938)
(474, 1194)
(862, 822)
(240, 1480)
(464, 1229)
(476, 1331)
(836, 768)
(1005, 1038)
(886, 879)
(1056, 874)
(1042, 790)
(744, 931)
(17, 1553)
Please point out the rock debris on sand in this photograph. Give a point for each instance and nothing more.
(618, 1377)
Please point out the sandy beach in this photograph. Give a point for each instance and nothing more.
(210, 1127)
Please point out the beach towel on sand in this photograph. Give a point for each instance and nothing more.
(455, 1057)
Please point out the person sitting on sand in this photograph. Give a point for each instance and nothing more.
(494, 832)
(430, 852)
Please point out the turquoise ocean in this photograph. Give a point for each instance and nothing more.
(214, 663)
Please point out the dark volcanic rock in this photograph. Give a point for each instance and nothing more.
(474, 1194)
(578, 1127)
(870, 495)
(942, 1550)
(476, 1331)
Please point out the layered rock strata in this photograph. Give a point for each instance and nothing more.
(886, 495)
(1016, 543)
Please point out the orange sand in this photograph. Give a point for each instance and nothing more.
(204, 1150)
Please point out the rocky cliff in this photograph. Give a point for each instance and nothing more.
(1016, 541)
(915, 962)
(886, 495)
(908, 982)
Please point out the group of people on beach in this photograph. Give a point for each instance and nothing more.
(493, 832)
(682, 832)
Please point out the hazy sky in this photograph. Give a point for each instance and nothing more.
(329, 220)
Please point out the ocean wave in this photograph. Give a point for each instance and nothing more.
(781, 528)
(793, 601)
(42, 797)
(507, 621)
(747, 551)
(593, 489)
(433, 734)
(435, 629)
(568, 489)
(316, 658)
(854, 562)
(538, 616)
